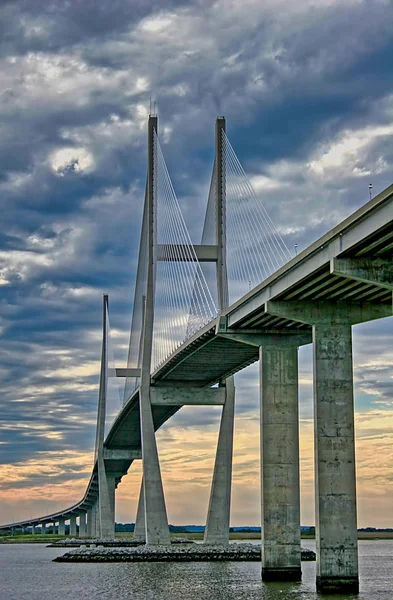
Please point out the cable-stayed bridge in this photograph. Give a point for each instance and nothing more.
(202, 313)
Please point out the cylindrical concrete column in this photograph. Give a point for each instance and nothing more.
(33, 529)
(61, 529)
(43, 528)
(82, 525)
(73, 526)
(335, 481)
(281, 552)
(54, 531)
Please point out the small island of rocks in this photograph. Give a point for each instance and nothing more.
(175, 552)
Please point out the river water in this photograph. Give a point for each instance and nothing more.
(28, 573)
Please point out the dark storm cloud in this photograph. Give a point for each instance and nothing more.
(50, 26)
(295, 82)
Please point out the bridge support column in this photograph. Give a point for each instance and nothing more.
(335, 483)
(140, 524)
(97, 529)
(335, 477)
(54, 530)
(43, 528)
(106, 505)
(156, 522)
(61, 528)
(73, 526)
(33, 530)
(94, 521)
(218, 516)
(82, 525)
(281, 552)
(90, 522)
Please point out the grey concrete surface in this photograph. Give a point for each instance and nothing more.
(140, 523)
(335, 479)
(82, 525)
(61, 528)
(218, 515)
(280, 484)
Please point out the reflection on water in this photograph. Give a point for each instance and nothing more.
(28, 573)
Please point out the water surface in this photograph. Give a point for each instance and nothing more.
(28, 573)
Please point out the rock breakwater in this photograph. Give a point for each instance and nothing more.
(195, 552)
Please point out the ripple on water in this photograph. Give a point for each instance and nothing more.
(27, 572)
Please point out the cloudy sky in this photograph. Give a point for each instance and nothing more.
(307, 91)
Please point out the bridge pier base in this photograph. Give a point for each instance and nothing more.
(82, 525)
(281, 551)
(218, 515)
(335, 483)
(140, 525)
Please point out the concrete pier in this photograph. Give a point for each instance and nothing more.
(43, 528)
(335, 477)
(140, 525)
(89, 526)
(73, 526)
(218, 515)
(106, 505)
(94, 520)
(156, 521)
(281, 552)
(33, 530)
(61, 528)
(335, 493)
(82, 525)
(96, 517)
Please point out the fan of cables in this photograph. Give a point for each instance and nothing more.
(180, 282)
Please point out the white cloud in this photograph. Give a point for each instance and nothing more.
(156, 24)
(349, 154)
(76, 160)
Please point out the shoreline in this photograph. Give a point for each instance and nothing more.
(191, 536)
(234, 536)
